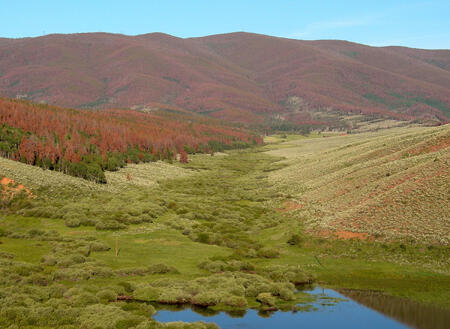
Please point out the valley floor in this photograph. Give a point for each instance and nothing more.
(229, 231)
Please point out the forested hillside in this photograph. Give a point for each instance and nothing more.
(85, 143)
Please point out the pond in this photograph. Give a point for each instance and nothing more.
(348, 309)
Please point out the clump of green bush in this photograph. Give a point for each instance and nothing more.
(296, 240)
(99, 246)
(138, 308)
(82, 272)
(236, 302)
(107, 295)
(226, 289)
(266, 299)
(268, 253)
(3, 232)
(108, 317)
(287, 273)
(152, 269)
(7, 255)
(205, 299)
(149, 324)
(147, 294)
(72, 222)
(109, 225)
(216, 266)
(71, 260)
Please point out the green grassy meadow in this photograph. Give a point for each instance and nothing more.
(230, 231)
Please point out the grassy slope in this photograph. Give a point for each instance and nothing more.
(144, 174)
(231, 203)
(389, 185)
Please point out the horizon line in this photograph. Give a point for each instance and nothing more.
(216, 34)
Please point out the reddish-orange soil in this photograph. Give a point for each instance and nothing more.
(290, 206)
(10, 188)
(344, 235)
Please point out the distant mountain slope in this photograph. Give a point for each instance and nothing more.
(239, 77)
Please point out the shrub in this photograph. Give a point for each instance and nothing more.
(147, 294)
(174, 296)
(182, 211)
(131, 322)
(139, 308)
(13, 314)
(38, 279)
(236, 289)
(85, 251)
(298, 277)
(246, 266)
(149, 324)
(132, 271)
(255, 288)
(34, 233)
(72, 222)
(99, 246)
(88, 221)
(203, 237)
(17, 235)
(107, 317)
(85, 299)
(24, 269)
(295, 240)
(293, 274)
(266, 299)
(71, 260)
(236, 301)
(161, 269)
(107, 295)
(213, 266)
(268, 253)
(127, 286)
(286, 294)
(217, 266)
(205, 299)
(7, 255)
(84, 273)
(72, 292)
(48, 260)
(109, 225)
(57, 290)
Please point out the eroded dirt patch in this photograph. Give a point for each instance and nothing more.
(344, 235)
(290, 206)
(10, 188)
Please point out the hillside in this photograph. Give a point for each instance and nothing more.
(85, 143)
(242, 77)
(389, 185)
(241, 229)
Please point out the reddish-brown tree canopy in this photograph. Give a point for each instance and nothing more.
(56, 133)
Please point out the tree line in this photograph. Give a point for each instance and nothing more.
(85, 143)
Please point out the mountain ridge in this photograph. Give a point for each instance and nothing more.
(243, 77)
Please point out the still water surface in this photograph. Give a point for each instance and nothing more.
(372, 311)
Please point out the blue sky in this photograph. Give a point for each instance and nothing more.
(419, 24)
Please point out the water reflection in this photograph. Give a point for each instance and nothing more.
(414, 314)
(330, 310)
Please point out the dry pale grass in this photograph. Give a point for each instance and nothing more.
(380, 124)
(35, 177)
(144, 174)
(390, 184)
